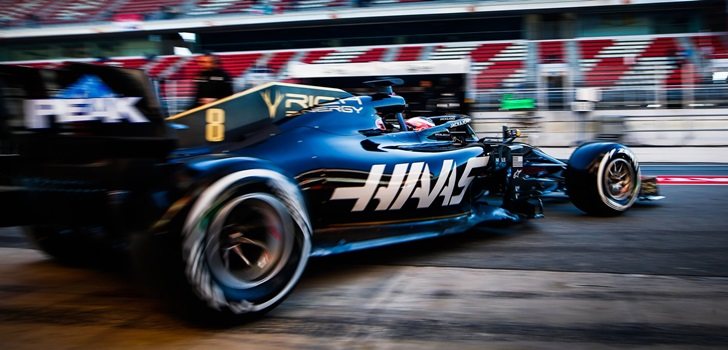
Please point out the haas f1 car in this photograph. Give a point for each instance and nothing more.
(227, 202)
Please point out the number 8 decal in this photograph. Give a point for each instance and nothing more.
(215, 129)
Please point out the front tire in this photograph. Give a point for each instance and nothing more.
(603, 179)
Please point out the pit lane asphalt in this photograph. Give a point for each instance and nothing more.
(654, 277)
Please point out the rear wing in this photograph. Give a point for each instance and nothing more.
(80, 111)
(37, 99)
(250, 111)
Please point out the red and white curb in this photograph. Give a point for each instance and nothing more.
(691, 180)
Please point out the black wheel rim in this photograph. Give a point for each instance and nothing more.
(249, 241)
(619, 180)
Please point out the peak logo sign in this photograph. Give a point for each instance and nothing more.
(108, 110)
(412, 180)
(87, 99)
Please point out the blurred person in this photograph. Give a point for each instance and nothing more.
(155, 15)
(268, 7)
(265, 7)
(427, 96)
(32, 20)
(212, 82)
(706, 60)
(171, 12)
(106, 15)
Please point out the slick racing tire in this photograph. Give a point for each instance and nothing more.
(603, 179)
(243, 246)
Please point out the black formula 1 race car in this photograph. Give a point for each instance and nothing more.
(225, 203)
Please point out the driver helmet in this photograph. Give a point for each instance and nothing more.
(419, 123)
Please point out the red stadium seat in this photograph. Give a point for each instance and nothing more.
(409, 53)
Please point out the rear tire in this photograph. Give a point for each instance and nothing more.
(603, 179)
(241, 248)
(243, 256)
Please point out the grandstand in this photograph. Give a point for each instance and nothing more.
(16, 13)
(608, 63)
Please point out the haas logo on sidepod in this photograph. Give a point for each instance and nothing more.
(404, 182)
